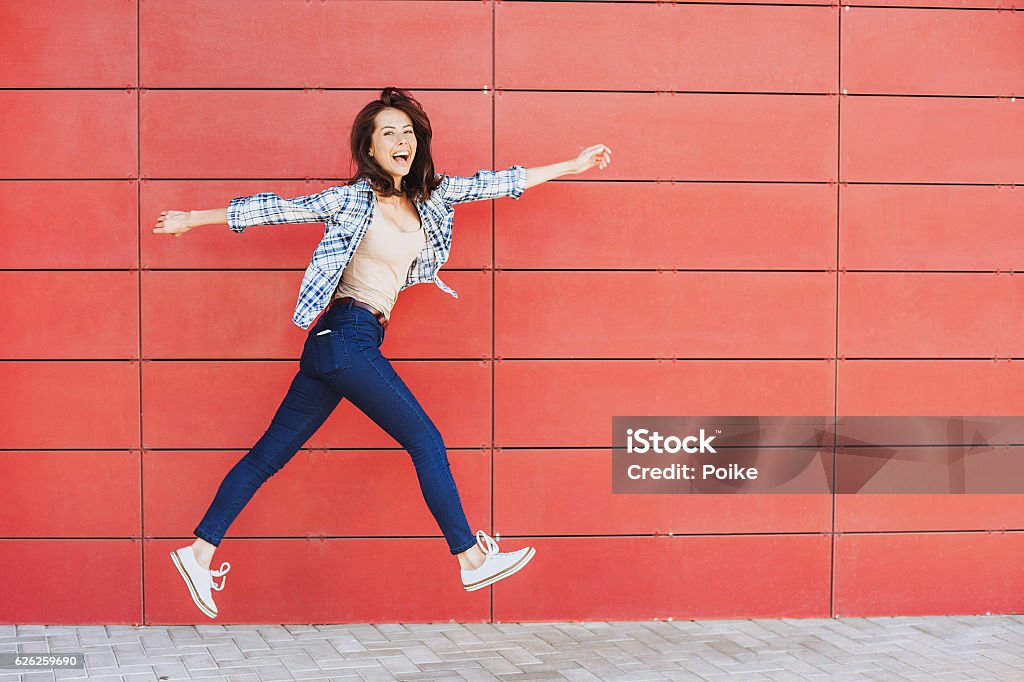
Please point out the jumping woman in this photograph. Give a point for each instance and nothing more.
(388, 228)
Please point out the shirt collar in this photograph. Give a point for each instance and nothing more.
(363, 185)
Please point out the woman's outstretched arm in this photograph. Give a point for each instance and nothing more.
(180, 222)
(265, 208)
(597, 155)
(513, 181)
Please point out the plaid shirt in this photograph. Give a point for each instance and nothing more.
(347, 211)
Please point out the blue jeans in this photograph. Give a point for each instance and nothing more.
(345, 362)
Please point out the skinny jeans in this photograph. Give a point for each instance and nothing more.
(341, 359)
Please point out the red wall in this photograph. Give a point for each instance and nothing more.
(810, 211)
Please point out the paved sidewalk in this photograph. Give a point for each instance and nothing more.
(929, 648)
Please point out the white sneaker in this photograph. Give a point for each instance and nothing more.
(496, 565)
(198, 579)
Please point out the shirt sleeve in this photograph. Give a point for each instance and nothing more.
(485, 184)
(267, 208)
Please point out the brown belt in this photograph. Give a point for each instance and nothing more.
(366, 306)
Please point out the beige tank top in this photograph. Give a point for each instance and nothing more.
(380, 264)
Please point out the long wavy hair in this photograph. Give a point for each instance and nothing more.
(420, 181)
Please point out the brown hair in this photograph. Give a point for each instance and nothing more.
(420, 180)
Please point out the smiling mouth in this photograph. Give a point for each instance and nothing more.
(401, 159)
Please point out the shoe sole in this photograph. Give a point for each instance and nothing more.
(503, 574)
(191, 588)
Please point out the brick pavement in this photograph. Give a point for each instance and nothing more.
(902, 648)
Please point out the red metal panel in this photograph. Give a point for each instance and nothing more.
(921, 387)
(314, 44)
(752, 576)
(941, 227)
(685, 47)
(54, 493)
(906, 314)
(68, 224)
(39, 588)
(931, 139)
(571, 494)
(472, 233)
(231, 404)
(928, 574)
(913, 470)
(295, 134)
(336, 493)
(68, 43)
(268, 246)
(74, 315)
(997, 4)
(738, 136)
(69, 134)
(904, 512)
(428, 323)
(70, 404)
(466, 330)
(197, 314)
(671, 225)
(413, 580)
(572, 402)
(210, 314)
(937, 52)
(684, 314)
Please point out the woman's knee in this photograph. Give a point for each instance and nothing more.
(269, 456)
(428, 445)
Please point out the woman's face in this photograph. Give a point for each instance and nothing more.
(393, 135)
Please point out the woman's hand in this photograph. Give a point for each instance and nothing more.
(173, 222)
(598, 155)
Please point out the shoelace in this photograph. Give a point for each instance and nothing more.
(224, 568)
(489, 545)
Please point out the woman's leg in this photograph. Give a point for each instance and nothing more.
(373, 386)
(305, 407)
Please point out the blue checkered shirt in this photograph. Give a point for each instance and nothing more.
(347, 211)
